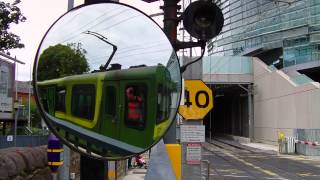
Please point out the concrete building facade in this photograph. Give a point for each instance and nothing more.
(284, 36)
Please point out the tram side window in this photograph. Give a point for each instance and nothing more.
(111, 100)
(163, 104)
(83, 101)
(61, 99)
(136, 106)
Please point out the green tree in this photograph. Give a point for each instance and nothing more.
(9, 13)
(62, 60)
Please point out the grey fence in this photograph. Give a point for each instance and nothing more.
(311, 135)
(23, 141)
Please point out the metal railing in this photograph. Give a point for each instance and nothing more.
(208, 168)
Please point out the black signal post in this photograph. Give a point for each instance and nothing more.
(91, 168)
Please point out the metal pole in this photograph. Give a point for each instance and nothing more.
(250, 111)
(70, 4)
(208, 168)
(15, 82)
(54, 176)
(64, 170)
(183, 31)
(15, 126)
(190, 40)
(29, 117)
(170, 20)
(210, 116)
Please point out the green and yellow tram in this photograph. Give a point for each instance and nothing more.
(93, 110)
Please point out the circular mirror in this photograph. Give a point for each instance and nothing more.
(107, 80)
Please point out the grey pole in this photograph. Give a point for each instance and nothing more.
(70, 4)
(250, 106)
(64, 170)
(249, 90)
(15, 125)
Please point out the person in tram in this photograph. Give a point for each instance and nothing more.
(135, 108)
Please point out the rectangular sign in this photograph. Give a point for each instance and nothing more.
(9, 138)
(193, 153)
(192, 133)
(5, 104)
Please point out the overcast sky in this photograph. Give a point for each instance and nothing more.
(138, 39)
(40, 15)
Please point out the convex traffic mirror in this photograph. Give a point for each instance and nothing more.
(107, 80)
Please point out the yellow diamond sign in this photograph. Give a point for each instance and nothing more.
(197, 100)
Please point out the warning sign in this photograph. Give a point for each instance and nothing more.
(192, 133)
(193, 153)
(198, 100)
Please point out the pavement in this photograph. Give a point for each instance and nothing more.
(261, 146)
(268, 148)
(135, 174)
(140, 173)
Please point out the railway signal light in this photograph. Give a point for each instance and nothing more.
(203, 20)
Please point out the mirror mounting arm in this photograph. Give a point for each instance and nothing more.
(114, 47)
(183, 45)
(202, 45)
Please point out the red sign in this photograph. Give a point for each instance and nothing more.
(193, 153)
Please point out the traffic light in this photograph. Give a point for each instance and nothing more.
(203, 20)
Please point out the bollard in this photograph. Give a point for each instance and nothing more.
(208, 168)
(54, 153)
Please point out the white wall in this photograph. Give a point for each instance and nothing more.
(282, 105)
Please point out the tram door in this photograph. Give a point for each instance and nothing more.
(51, 100)
(111, 112)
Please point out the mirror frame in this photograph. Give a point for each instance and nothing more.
(41, 109)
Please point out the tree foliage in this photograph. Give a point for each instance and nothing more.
(62, 60)
(9, 13)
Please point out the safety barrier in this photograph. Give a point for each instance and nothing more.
(308, 142)
(287, 145)
(290, 145)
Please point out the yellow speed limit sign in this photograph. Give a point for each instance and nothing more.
(197, 100)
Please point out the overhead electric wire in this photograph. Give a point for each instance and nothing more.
(142, 53)
(127, 50)
(79, 29)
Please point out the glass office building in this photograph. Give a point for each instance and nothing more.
(285, 32)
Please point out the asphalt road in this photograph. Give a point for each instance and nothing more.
(228, 161)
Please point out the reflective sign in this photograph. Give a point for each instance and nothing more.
(197, 100)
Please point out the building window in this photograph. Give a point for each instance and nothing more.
(163, 104)
(4, 80)
(83, 101)
(136, 106)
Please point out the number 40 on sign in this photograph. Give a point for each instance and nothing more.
(197, 100)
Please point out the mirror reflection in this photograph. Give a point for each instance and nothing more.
(108, 80)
